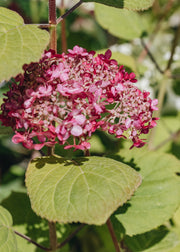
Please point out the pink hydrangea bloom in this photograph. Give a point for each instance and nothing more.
(72, 95)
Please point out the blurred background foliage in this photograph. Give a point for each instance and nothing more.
(147, 43)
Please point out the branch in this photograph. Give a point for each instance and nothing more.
(33, 242)
(151, 57)
(113, 236)
(68, 12)
(70, 236)
(52, 22)
(174, 44)
(165, 11)
(52, 235)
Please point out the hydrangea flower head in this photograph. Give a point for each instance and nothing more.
(72, 95)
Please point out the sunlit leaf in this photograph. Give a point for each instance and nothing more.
(7, 237)
(19, 43)
(158, 240)
(26, 222)
(86, 190)
(157, 198)
(120, 23)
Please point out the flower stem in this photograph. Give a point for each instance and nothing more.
(52, 22)
(113, 236)
(63, 28)
(52, 236)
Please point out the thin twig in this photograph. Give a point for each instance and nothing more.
(69, 11)
(172, 137)
(166, 9)
(113, 236)
(174, 44)
(30, 240)
(43, 25)
(70, 236)
(151, 57)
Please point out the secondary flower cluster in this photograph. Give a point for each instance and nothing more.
(70, 96)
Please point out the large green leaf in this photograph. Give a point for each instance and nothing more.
(159, 194)
(121, 23)
(158, 240)
(86, 190)
(19, 43)
(128, 4)
(7, 237)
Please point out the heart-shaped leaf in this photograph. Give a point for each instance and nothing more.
(19, 43)
(7, 236)
(159, 194)
(86, 190)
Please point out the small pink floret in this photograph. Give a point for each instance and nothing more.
(76, 130)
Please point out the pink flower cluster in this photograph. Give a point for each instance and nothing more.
(72, 95)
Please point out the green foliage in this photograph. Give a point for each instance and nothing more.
(19, 43)
(52, 181)
(157, 198)
(28, 223)
(7, 237)
(86, 190)
(158, 240)
(121, 23)
(127, 4)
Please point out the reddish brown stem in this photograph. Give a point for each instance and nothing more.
(113, 236)
(52, 236)
(33, 242)
(173, 48)
(63, 29)
(52, 22)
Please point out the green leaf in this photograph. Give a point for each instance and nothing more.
(157, 198)
(121, 23)
(128, 4)
(19, 43)
(86, 190)
(26, 222)
(7, 236)
(158, 240)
